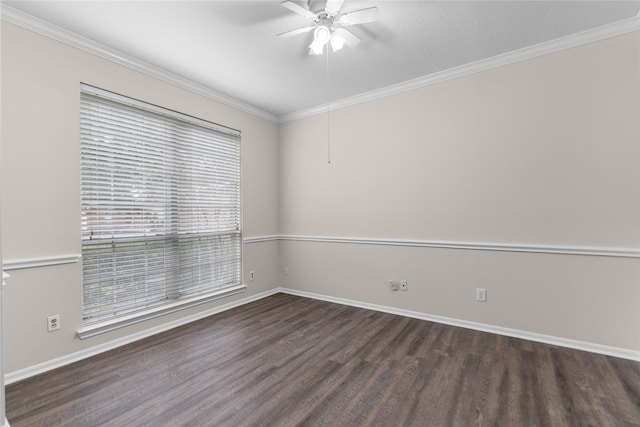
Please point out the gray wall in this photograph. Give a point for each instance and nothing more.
(544, 152)
(41, 188)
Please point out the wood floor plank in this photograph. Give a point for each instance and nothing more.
(292, 361)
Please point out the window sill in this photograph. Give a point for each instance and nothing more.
(141, 316)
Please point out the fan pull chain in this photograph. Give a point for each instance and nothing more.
(328, 112)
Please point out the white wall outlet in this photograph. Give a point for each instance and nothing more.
(53, 323)
(393, 285)
(403, 285)
(252, 275)
(285, 271)
(481, 295)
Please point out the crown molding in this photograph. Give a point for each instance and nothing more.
(17, 17)
(54, 32)
(574, 40)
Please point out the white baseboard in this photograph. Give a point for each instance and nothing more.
(531, 336)
(30, 371)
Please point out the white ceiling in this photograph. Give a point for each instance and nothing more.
(230, 47)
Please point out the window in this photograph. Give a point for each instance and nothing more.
(160, 207)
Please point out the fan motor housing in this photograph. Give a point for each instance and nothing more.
(323, 18)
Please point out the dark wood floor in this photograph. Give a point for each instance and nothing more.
(289, 361)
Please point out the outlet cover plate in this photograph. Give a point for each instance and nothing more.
(53, 323)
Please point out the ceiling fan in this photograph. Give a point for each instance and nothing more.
(325, 23)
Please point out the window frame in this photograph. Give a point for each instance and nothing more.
(170, 305)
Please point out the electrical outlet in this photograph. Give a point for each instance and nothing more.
(285, 271)
(393, 285)
(53, 323)
(252, 275)
(481, 295)
(403, 285)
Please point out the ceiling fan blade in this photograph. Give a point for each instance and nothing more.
(361, 16)
(297, 9)
(296, 31)
(333, 7)
(350, 39)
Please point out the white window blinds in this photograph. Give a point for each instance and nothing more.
(160, 206)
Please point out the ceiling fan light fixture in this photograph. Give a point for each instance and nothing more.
(337, 42)
(322, 34)
(316, 48)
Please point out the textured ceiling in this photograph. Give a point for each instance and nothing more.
(231, 47)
